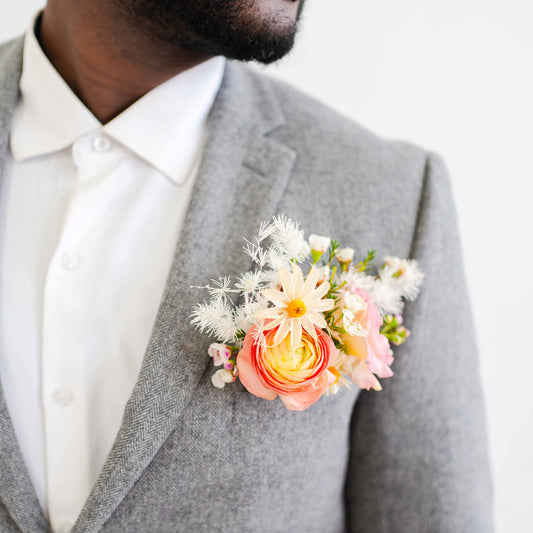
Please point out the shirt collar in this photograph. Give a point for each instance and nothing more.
(164, 127)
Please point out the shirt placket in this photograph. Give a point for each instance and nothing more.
(66, 357)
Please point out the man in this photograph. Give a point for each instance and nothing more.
(135, 159)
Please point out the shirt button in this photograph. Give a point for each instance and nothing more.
(70, 262)
(62, 397)
(65, 527)
(101, 144)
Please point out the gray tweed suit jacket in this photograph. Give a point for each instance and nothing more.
(192, 458)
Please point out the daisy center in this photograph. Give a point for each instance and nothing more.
(296, 309)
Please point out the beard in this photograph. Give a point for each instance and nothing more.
(247, 30)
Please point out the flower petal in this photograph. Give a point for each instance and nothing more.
(308, 325)
(272, 324)
(296, 333)
(323, 305)
(310, 282)
(298, 280)
(320, 291)
(286, 283)
(248, 377)
(278, 297)
(283, 331)
(270, 312)
(318, 319)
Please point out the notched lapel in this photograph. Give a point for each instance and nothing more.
(241, 180)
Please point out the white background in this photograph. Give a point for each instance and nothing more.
(455, 77)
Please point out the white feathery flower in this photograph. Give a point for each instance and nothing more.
(319, 243)
(249, 282)
(210, 316)
(221, 289)
(265, 230)
(277, 259)
(225, 327)
(271, 279)
(402, 274)
(289, 238)
(256, 252)
(360, 279)
(299, 305)
(386, 297)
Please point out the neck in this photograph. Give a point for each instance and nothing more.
(106, 61)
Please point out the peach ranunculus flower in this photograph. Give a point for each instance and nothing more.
(299, 376)
(371, 351)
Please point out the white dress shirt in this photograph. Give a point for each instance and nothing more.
(90, 215)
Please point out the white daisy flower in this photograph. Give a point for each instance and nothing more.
(300, 304)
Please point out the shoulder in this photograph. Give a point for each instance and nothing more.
(313, 126)
(374, 183)
(11, 57)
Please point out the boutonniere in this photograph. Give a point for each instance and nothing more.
(298, 335)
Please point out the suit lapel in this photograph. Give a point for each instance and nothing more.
(17, 492)
(240, 182)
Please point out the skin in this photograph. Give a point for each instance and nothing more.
(112, 52)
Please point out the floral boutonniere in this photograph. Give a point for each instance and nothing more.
(299, 336)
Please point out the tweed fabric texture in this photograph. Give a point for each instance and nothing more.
(190, 457)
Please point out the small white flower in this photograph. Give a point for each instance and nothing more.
(221, 377)
(249, 282)
(209, 316)
(354, 302)
(257, 253)
(361, 280)
(402, 274)
(351, 325)
(387, 297)
(318, 243)
(220, 353)
(265, 230)
(225, 328)
(288, 238)
(323, 274)
(345, 255)
(221, 289)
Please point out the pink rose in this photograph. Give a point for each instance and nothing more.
(372, 351)
(298, 376)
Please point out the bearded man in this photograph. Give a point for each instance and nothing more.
(137, 151)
